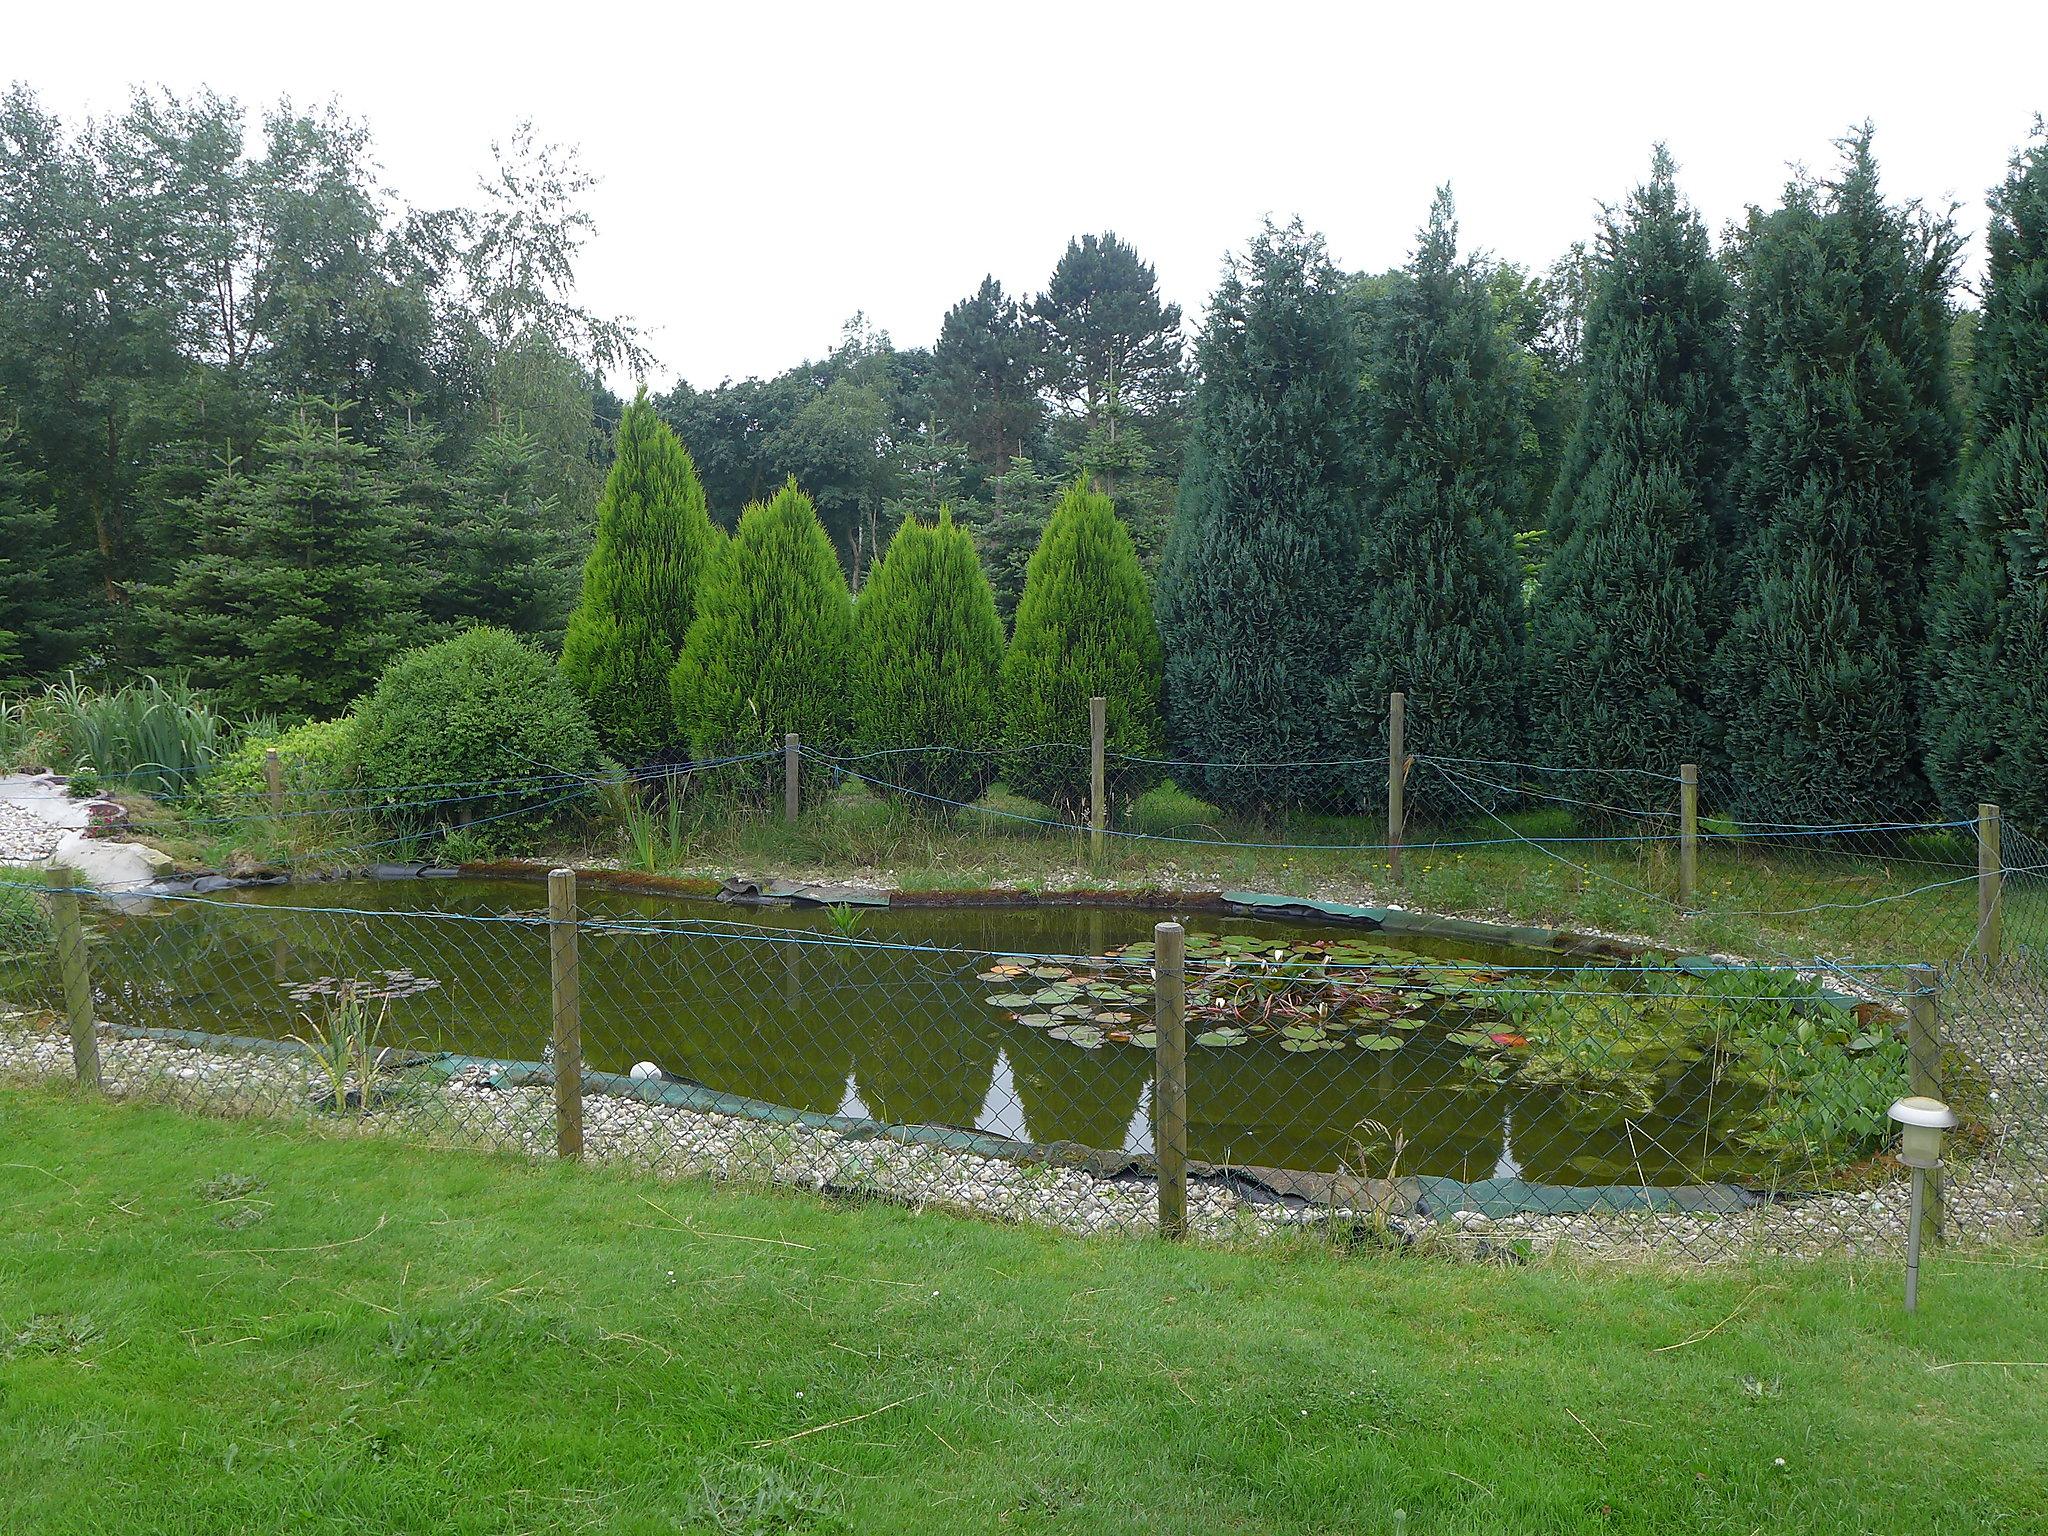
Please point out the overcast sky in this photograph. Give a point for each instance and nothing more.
(770, 169)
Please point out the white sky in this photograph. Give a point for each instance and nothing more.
(771, 168)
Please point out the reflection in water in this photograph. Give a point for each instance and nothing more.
(764, 1003)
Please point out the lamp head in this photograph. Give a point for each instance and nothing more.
(1921, 1121)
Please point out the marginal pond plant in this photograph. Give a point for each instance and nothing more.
(348, 1016)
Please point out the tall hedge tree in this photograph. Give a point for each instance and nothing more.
(1851, 449)
(1987, 715)
(301, 589)
(1631, 602)
(767, 652)
(1261, 572)
(927, 664)
(1444, 426)
(1084, 629)
(641, 586)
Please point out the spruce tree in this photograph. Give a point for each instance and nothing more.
(1631, 602)
(1851, 448)
(301, 590)
(39, 628)
(1441, 617)
(927, 663)
(502, 560)
(1260, 575)
(767, 652)
(641, 586)
(1084, 630)
(1987, 715)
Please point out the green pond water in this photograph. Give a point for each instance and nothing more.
(769, 1003)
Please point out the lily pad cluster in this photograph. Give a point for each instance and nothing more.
(378, 986)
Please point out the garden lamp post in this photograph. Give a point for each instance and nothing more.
(1921, 1122)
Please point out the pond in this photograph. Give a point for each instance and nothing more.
(915, 1022)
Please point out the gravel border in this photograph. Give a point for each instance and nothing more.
(1995, 1198)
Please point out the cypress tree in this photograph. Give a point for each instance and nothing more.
(927, 662)
(1987, 725)
(1851, 447)
(1630, 603)
(767, 652)
(1444, 419)
(1260, 576)
(1084, 629)
(300, 591)
(641, 586)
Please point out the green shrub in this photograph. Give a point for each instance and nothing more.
(927, 663)
(24, 921)
(317, 760)
(1084, 627)
(641, 586)
(767, 651)
(446, 722)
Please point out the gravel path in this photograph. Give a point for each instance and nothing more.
(1995, 1198)
(35, 813)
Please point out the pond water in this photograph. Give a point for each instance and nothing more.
(770, 1003)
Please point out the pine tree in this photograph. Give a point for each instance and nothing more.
(1261, 572)
(1084, 630)
(1441, 618)
(1987, 718)
(768, 650)
(641, 586)
(301, 590)
(927, 663)
(1631, 602)
(1851, 448)
(985, 377)
(39, 630)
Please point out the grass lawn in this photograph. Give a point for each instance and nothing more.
(212, 1326)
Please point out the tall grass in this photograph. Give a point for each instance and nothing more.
(152, 735)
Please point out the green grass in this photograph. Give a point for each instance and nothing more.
(211, 1326)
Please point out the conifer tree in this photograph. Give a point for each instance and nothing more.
(1631, 602)
(301, 590)
(1441, 616)
(1850, 450)
(767, 652)
(641, 586)
(1260, 575)
(1084, 630)
(501, 564)
(1987, 718)
(927, 663)
(39, 629)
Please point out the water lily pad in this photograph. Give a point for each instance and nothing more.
(1303, 1032)
(1310, 1045)
(1146, 1039)
(1038, 1020)
(1086, 1036)
(1468, 1037)
(1378, 1042)
(1222, 1037)
(1049, 972)
(1055, 995)
(1013, 1000)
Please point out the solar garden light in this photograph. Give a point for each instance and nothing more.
(1921, 1122)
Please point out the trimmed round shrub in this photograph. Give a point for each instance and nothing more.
(641, 585)
(1084, 627)
(318, 760)
(927, 664)
(484, 731)
(767, 651)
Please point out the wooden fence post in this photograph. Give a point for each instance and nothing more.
(1688, 834)
(1990, 886)
(792, 782)
(75, 969)
(1098, 784)
(1397, 775)
(1170, 1076)
(566, 987)
(1924, 1074)
(273, 782)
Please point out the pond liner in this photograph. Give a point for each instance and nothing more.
(1430, 1196)
(802, 893)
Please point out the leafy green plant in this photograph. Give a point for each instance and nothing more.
(658, 831)
(343, 1047)
(24, 918)
(846, 920)
(317, 761)
(153, 735)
